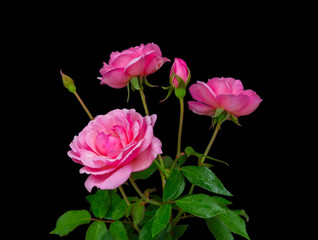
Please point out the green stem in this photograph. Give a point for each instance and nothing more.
(83, 105)
(211, 141)
(124, 195)
(180, 127)
(179, 133)
(147, 200)
(143, 99)
(161, 168)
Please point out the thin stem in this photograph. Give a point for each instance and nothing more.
(143, 99)
(161, 168)
(179, 133)
(83, 105)
(211, 141)
(124, 195)
(180, 127)
(147, 200)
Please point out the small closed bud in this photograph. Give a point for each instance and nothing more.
(180, 74)
(68, 82)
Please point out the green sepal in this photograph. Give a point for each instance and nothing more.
(135, 83)
(128, 92)
(170, 90)
(235, 120)
(148, 84)
(190, 152)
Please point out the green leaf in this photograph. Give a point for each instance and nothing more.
(100, 203)
(70, 220)
(205, 178)
(118, 207)
(145, 173)
(161, 219)
(200, 205)
(218, 229)
(182, 159)
(242, 213)
(190, 152)
(138, 212)
(178, 231)
(145, 233)
(118, 231)
(96, 231)
(174, 186)
(234, 223)
(167, 161)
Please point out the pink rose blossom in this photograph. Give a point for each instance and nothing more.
(114, 145)
(225, 93)
(136, 61)
(180, 68)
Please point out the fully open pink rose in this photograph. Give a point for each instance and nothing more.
(136, 61)
(114, 145)
(225, 93)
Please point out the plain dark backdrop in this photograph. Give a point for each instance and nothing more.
(243, 46)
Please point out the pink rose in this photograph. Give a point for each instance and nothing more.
(114, 145)
(225, 93)
(180, 68)
(135, 61)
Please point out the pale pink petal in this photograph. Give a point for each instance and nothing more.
(155, 64)
(232, 103)
(145, 159)
(200, 108)
(152, 47)
(116, 78)
(122, 60)
(116, 178)
(254, 101)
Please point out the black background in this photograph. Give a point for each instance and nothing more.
(221, 42)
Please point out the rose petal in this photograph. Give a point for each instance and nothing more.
(115, 78)
(145, 159)
(232, 103)
(253, 103)
(200, 108)
(136, 66)
(109, 180)
(203, 93)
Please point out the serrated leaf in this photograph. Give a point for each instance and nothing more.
(174, 186)
(234, 223)
(118, 231)
(96, 231)
(100, 203)
(145, 173)
(200, 205)
(218, 229)
(204, 177)
(161, 219)
(70, 220)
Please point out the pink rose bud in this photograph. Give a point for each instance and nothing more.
(68, 82)
(180, 69)
(114, 145)
(136, 61)
(223, 93)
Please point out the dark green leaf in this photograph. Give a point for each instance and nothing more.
(182, 159)
(174, 186)
(178, 231)
(118, 207)
(145, 173)
(205, 178)
(145, 233)
(218, 229)
(138, 211)
(234, 223)
(70, 220)
(242, 213)
(100, 203)
(96, 231)
(118, 231)
(167, 161)
(221, 201)
(161, 219)
(200, 205)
